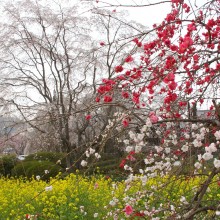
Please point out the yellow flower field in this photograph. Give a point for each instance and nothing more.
(77, 197)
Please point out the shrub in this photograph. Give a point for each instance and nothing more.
(7, 163)
(47, 156)
(36, 168)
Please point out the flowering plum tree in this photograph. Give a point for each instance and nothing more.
(181, 65)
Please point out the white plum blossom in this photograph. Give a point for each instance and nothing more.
(149, 169)
(187, 136)
(159, 165)
(87, 153)
(174, 157)
(144, 128)
(126, 141)
(207, 156)
(48, 188)
(138, 149)
(141, 171)
(204, 130)
(158, 149)
(175, 142)
(199, 157)
(167, 165)
(144, 180)
(58, 162)
(200, 137)
(91, 150)
(126, 167)
(167, 159)
(132, 135)
(97, 155)
(217, 213)
(197, 143)
(141, 143)
(216, 163)
(113, 202)
(158, 132)
(140, 137)
(185, 148)
(95, 215)
(81, 209)
(183, 200)
(114, 186)
(169, 124)
(38, 177)
(148, 161)
(129, 149)
(198, 165)
(130, 178)
(167, 150)
(172, 208)
(194, 127)
(83, 163)
(177, 163)
(211, 148)
(217, 135)
(46, 171)
(148, 123)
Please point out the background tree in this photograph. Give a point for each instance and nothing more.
(51, 63)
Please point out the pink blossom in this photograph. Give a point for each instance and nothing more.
(172, 85)
(153, 117)
(130, 157)
(107, 98)
(129, 59)
(122, 163)
(97, 99)
(128, 210)
(96, 186)
(125, 123)
(118, 69)
(88, 117)
(125, 95)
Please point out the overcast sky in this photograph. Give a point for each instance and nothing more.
(144, 15)
(151, 14)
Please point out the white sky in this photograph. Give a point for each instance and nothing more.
(144, 15)
(148, 16)
(151, 14)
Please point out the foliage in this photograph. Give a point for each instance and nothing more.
(43, 169)
(54, 157)
(7, 162)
